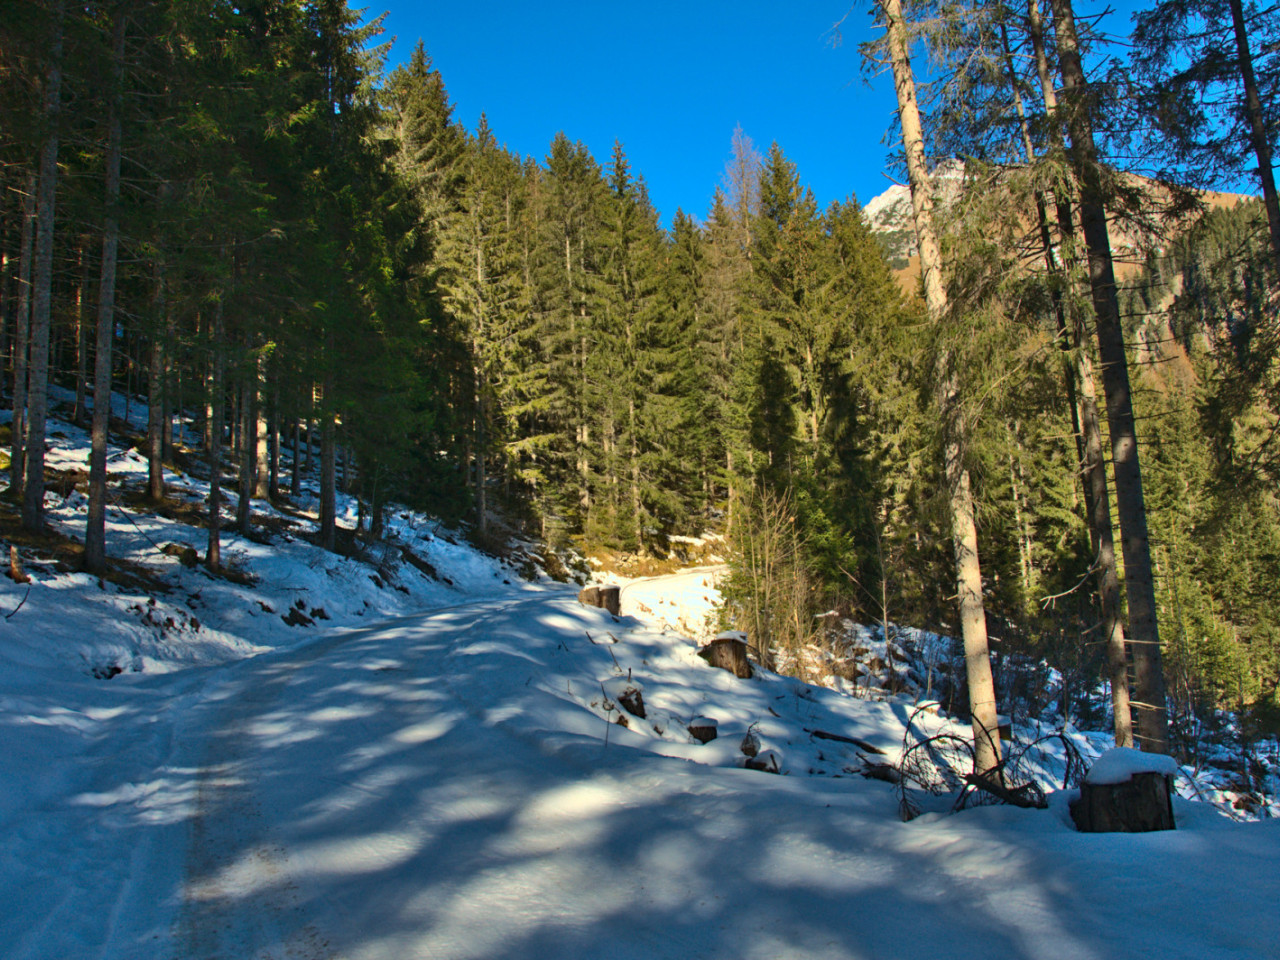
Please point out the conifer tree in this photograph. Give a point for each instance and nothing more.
(964, 530)
(1144, 632)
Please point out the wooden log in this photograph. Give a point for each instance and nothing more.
(841, 738)
(611, 599)
(1143, 802)
(704, 729)
(632, 701)
(729, 652)
(589, 596)
(16, 573)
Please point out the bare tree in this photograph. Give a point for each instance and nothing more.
(964, 532)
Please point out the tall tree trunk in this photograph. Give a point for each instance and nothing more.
(295, 473)
(328, 484)
(982, 699)
(262, 455)
(42, 294)
(1081, 395)
(95, 538)
(82, 336)
(217, 417)
(21, 341)
(248, 450)
(273, 478)
(1144, 633)
(1257, 126)
(155, 397)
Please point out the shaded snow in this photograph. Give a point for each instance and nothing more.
(436, 771)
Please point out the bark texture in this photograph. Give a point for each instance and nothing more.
(1144, 634)
(95, 540)
(42, 292)
(964, 531)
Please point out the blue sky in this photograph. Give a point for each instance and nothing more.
(670, 80)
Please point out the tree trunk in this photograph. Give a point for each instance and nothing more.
(42, 294)
(1257, 126)
(95, 539)
(273, 477)
(262, 455)
(155, 398)
(1144, 631)
(78, 415)
(328, 485)
(982, 700)
(21, 338)
(295, 474)
(1083, 399)
(216, 406)
(248, 449)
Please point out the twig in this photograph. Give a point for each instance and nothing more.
(20, 603)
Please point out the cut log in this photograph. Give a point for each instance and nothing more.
(1142, 803)
(16, 573)
(611, 599)
(589, 596)
(704, 729)
(728, 652)
(768, 762)
(185, 554)
(840, 738)
(1126, 791)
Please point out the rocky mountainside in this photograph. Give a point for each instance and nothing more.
(889, 214)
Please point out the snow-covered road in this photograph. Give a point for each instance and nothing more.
(438, 787)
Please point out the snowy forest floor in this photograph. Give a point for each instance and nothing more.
(433, 767)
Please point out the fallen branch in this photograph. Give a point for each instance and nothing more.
(20, 603)
(840, 738)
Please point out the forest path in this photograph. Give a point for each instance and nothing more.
(437, 788)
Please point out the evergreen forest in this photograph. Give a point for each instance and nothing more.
(236, 212)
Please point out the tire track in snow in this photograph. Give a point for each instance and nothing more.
(238, 899)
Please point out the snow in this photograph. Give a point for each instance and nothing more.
(1121, 764)
(437, 771)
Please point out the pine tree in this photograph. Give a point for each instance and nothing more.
(964, 530)
(1211, 74)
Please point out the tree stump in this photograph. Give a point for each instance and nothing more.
(1126, 791)
(704, 729)
(607, 598)
(632, 701)
(729, 652)
(611, 599)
